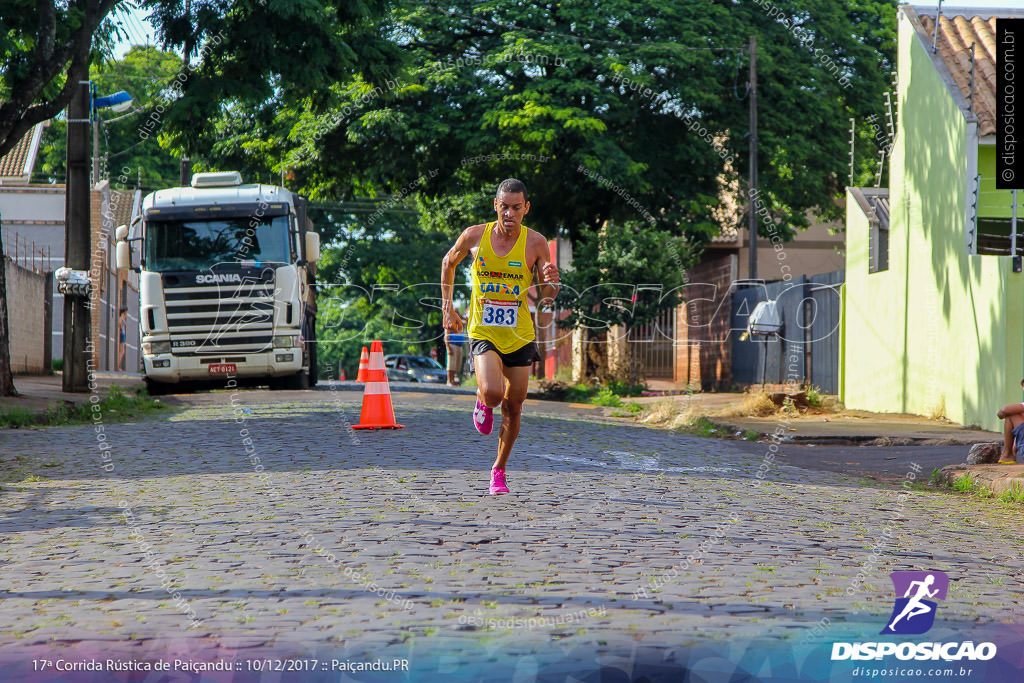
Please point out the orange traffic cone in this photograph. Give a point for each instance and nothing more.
(342, 377)
(378, 412)
(364, 364)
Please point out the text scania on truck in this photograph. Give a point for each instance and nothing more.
(226, 283)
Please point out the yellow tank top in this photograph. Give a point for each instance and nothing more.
(499, 312)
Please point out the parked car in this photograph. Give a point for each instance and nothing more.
(403, 368)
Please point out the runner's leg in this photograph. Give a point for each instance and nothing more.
(490, 384)
(511, 411)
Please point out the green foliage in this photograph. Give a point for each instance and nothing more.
(620, 388)
(623, 275)
(814, 397)
(606, 397)
(608, 88)
(253, 60)
(127, 149)
(378, 282)
(43, 45)
(608, 394)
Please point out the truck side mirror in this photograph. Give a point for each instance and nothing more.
(312, 246)
(123, 255)
(121, 233)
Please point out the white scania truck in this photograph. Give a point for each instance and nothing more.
(226, 284)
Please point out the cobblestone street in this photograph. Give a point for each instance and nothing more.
(270, 527)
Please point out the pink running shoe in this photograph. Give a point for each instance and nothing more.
(483, 418)
(498, 482)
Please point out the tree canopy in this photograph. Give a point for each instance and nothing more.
(606, 111)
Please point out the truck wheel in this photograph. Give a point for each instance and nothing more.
(155, 388)
(297, 382)
(314, 370)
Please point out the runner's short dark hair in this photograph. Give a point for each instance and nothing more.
(512, 186)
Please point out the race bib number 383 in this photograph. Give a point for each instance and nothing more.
(499, 313)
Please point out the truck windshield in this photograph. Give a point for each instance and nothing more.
(201, 244)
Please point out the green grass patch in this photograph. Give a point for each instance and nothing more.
(606, 397)
(1015, 496)
(116, 406)
(703, 426)
(628, 409)
(607, 394)
(967, 485)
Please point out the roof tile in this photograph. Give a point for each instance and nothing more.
(956, 34)
(12, 165)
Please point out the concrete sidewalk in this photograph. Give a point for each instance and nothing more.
(863, 427)
(37, 393)
(844, 427)
(856, 427)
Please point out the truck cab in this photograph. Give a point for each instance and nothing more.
(226, 283)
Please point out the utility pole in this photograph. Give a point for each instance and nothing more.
(185, 172)
(185, 165)
(753, 159)
(96, 150)
(77, 313)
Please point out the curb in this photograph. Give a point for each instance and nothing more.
(849, 439)
(996, 478)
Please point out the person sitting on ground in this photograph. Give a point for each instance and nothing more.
(1013, 432)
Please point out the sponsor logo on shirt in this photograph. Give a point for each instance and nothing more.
(499, 288)
(500, 274)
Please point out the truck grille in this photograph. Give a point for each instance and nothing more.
(220, 319)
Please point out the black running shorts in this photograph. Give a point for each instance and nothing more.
(523, 356)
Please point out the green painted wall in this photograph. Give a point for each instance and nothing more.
(936, 333)
(992, 202)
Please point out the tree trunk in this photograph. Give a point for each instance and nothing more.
(6, 378)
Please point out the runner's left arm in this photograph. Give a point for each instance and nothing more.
(545, 272)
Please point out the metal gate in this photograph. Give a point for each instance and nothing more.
(806, 351)
(653, 345)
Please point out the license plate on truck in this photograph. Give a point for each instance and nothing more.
(223, 368)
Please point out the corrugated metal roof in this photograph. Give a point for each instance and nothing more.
(956, 34)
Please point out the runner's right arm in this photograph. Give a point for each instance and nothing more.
(469, 238)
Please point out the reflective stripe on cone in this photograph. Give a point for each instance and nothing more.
(377, 413)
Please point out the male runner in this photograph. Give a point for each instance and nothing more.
(501, 335)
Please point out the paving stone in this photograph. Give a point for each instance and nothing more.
(596, 513)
